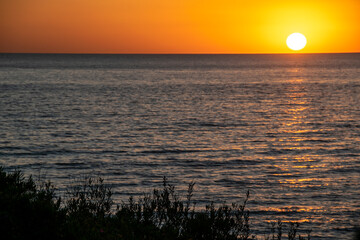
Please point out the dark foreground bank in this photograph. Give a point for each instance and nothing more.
(31, 211)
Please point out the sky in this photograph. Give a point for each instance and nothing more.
(177, 26)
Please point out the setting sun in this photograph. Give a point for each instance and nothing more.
(296, 41)
(179, 26)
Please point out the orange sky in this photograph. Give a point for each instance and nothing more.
(177, 26)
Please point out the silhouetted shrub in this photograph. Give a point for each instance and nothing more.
(164, 215)
(87, 210)
(31, 212)
(28, 212)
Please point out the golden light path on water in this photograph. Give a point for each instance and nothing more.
(294, 131)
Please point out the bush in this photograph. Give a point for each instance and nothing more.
(163, 215)
(28, 212)
(31, 212)
(87, 210)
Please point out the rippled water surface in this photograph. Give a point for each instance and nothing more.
(286, 127)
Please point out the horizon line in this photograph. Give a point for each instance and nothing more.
(77, 53)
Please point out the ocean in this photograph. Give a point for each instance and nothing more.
(285, 127)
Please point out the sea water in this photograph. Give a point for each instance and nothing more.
(284, 127)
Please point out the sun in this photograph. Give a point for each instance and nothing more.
(296, 41)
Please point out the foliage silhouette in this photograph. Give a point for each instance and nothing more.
(31, 212)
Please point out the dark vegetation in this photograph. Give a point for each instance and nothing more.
(28, 211)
